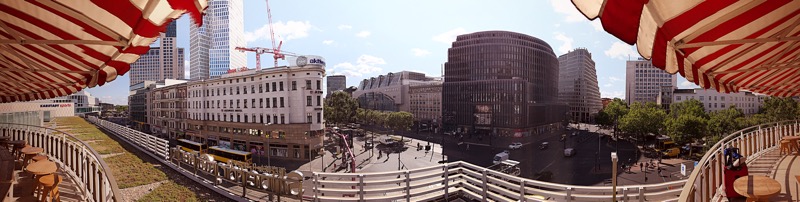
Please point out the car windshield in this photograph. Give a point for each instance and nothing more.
(496, 158)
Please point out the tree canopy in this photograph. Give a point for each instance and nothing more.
(340, 108)
(642, 119)
(779, 109)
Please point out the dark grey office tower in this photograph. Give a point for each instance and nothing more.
(503, 85)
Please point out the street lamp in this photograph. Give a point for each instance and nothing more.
(269, 136)
(614, 175)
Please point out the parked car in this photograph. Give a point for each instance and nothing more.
(569, 152)
(515, 145)
(544, 145)
(671, 152)
(499, 157)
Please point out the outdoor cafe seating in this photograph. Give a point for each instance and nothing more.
(20, 162)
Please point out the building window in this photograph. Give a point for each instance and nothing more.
(253, 103)
(252, 88)
(319, 117)
(261, 102)
(238, 118)
(245, 103)
(274, 86)
(283, 119)
(260, 88)
(319, 85)
(308, 118)
(282, 102)
(308, 84)
(319, 100)
(274, 102)
(294, 85)
(245, 118)
(237, 103)
(308, 101)
(281, 88)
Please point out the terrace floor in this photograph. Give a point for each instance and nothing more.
(781, 167)
(23, 187)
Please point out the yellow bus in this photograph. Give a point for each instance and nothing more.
(223, 155)
(192, 146)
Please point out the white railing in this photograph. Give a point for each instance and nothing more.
(706, 181)
(84, 165)
(471, 181)
(153, 144)
(228, 180)
(420, 184)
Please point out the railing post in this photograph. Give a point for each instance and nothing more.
(521, 191)
(316, 187)
(569, 194)
(641, 194)
(446, 180)
(408, 187)
(361, 187)
(625, 194)
(485, 186)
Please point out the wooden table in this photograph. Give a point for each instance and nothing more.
(793, 143)
(17, 145)
(30, 152)
(41, 168)
(756, 188)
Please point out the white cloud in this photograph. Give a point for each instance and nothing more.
(613, 94)
(567, 46)
(613, 79)
(608, 85)
(186, 70)
(598, 26)
(687, 84)
(449, 36)
(327, 42)
(622, 51)
(365, 64)
(420, 52)
(363, 34)
(344, 27)
(286, 31)
(565, 7)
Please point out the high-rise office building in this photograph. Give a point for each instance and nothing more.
(163, 62)
(577, 85)
(643, 81)
(502, 84)
(334, 83)
(212, 44)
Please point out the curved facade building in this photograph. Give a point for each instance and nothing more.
(503, 84)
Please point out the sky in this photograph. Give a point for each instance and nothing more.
(362, 39)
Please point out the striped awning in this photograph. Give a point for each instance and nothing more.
(726, 45)
(56, 48)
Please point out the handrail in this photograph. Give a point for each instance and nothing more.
(755, 141)
(59, 149)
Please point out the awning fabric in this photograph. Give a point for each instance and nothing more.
(726, 45)
(56, 48)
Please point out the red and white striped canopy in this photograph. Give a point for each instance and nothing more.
(727, 45)
(56, 48)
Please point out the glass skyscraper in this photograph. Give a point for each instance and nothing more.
(212, 44)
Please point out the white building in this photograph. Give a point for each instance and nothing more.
(36, 112)
(212, 44)
(163, 62)
(390, 92)
(239, 109)
(712, 100)
(84, 102)
(425, 101)
(643, 81)
(577, 85)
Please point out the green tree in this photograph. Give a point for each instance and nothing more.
(642, 119)
(690, 107)
(616, 110)
(121, 108)
(401, 121)
(686, 128)
(723, 122)
(779, 109)
(604, 119)
(340, 108)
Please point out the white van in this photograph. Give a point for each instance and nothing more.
(500, 157)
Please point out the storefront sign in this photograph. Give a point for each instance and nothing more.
(55, 105)
(231, 110)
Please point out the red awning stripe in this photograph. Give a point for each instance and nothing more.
(726, 45)
(74, 41)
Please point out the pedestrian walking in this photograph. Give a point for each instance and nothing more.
(641, 166)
